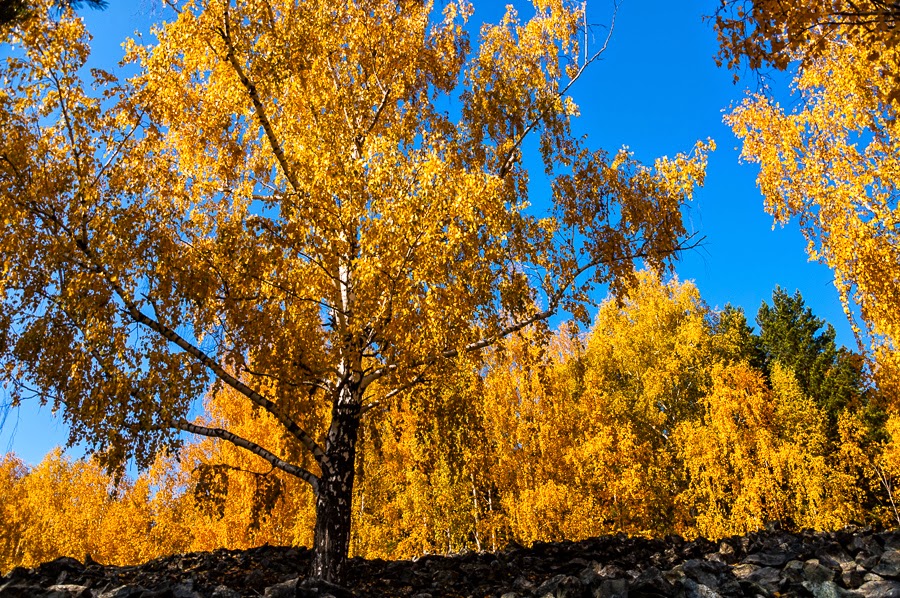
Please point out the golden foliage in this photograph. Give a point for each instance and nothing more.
(645, 425)
(773, 33)
(280, 203)
(756, 456)
(64, 507)
(830, 160)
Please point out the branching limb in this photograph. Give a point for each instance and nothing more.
(509, 160)
(312, 385)
(254, 448)
(393, 393)
(173, 337)
(258, 107)
(554, 302)
(176, 339)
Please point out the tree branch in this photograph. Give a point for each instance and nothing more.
(173, 337)
(510, 154)
(254, 448)
(257, 104)
(553, 305)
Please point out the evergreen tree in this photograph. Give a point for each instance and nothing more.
(791, 335)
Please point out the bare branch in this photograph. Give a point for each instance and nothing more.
(254, 448)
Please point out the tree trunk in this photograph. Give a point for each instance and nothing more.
(331, 543)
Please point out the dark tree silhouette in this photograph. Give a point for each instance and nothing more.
(12, 11)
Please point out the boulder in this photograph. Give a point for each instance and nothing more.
(69, 590)
(611, 588)
(879, 589)
(562, 586)
(889, 564)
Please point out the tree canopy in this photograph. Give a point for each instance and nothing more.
(12, 11)
(774, 33)
(653, 422)
(279, 204)
(790, 335)
(827, 160)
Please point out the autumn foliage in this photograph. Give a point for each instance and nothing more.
(654, 422)
(308, 207)
(279, 214)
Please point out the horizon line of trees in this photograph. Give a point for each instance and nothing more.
(667, 417)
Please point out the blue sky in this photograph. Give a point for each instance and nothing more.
(656, 90)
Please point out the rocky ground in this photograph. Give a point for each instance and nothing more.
(861, 563)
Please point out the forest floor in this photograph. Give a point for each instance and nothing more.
(853, 563)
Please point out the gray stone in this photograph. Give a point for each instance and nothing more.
(184, 590)
(561, 586)
(816, 573)
(611, 571)
(793, 571)
(70, 590)
(767, 559)
(742, 570)
(611, 588)
(867, 561)
(866, 544)
(127, 591)
(835, 556)
(717, 558)
(445, 578)
(748, 588)
(766, 577)
(675, 574)
(704, 572)
(888, 564)
(589, 577)
(852, 579)
(826, 589)
(651, 581)
(692, 589)
(319, 588)
(224, 592)
(511, 595)
(879, 589)
(285, 589)
(726, 549)
(522, 583)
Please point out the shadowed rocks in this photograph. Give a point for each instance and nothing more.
(845, 564)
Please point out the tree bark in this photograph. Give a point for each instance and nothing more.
(331, 543)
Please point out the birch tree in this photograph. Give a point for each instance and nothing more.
(311, 204)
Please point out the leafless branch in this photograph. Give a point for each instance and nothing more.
(254, 448)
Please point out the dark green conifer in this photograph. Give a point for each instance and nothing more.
(790, 334)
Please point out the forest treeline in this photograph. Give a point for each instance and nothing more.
(667, 417)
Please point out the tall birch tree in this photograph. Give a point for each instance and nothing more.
(315, 204)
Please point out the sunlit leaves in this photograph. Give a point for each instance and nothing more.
(312, 206)
(756, 456)
(654, 422)
(830, 163)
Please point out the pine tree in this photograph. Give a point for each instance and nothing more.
(791, 335)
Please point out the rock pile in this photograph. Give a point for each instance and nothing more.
(850, 563)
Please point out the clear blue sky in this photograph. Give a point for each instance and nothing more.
(656, 90)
